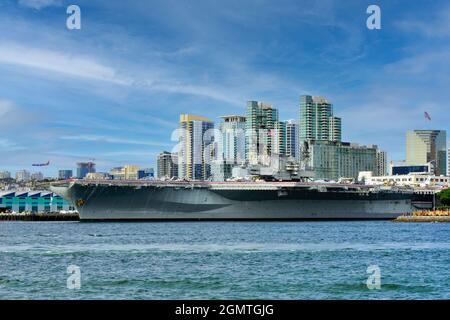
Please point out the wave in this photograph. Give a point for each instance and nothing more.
(221, 248)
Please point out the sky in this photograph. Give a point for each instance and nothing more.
(113, 90)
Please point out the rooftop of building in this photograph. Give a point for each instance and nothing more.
(233, 118)
(189, 117)
(24, 194)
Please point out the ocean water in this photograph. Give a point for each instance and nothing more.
(225, 260)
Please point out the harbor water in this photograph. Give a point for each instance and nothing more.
(224, 260)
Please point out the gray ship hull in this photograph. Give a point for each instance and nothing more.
(110, 201)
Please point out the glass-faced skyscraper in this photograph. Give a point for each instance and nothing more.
(317, 121)
(232, 131)
(279, 138)
(260, 134)
(292, 136)
(424, 146)
(193, 161)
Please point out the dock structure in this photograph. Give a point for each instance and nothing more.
(423, 219)
(426, 216)
(39, 217)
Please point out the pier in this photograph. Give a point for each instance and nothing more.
(39, 217)
(423, 219)
(426, 216)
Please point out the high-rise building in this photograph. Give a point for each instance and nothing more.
(292, 143)
(261, 122)
(23, 176)
(195, 151)
(167, 165)
(279, 138)
(37, 176)
(5, 175)
(424, 146)
(332, 160)
(317, 121)
(83, 168)
(448, 163)
(65, 174)
(232, 131)
(381, 163)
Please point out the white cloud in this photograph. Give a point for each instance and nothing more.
(431, 64)
(435, 27)
(89, 68)
(59, 62)
(39, 4)
(5, 108)
(11, 115)
(8, 145)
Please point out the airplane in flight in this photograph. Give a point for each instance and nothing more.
(41, 164)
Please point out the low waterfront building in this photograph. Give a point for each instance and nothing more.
(33, 201)
(402, 168)
(128, 172)
(23, 176)
(117, 173)
(332, 160)
(131, 172)
(65, 174)
(411, 179)
(5, 175)
(145, 173)
(37, 176)
(97, 176)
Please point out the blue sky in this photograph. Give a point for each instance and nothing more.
(113, 91)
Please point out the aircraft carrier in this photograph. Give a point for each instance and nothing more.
(188, 200)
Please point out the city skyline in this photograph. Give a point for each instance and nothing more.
(241, 134)
(114, 94)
